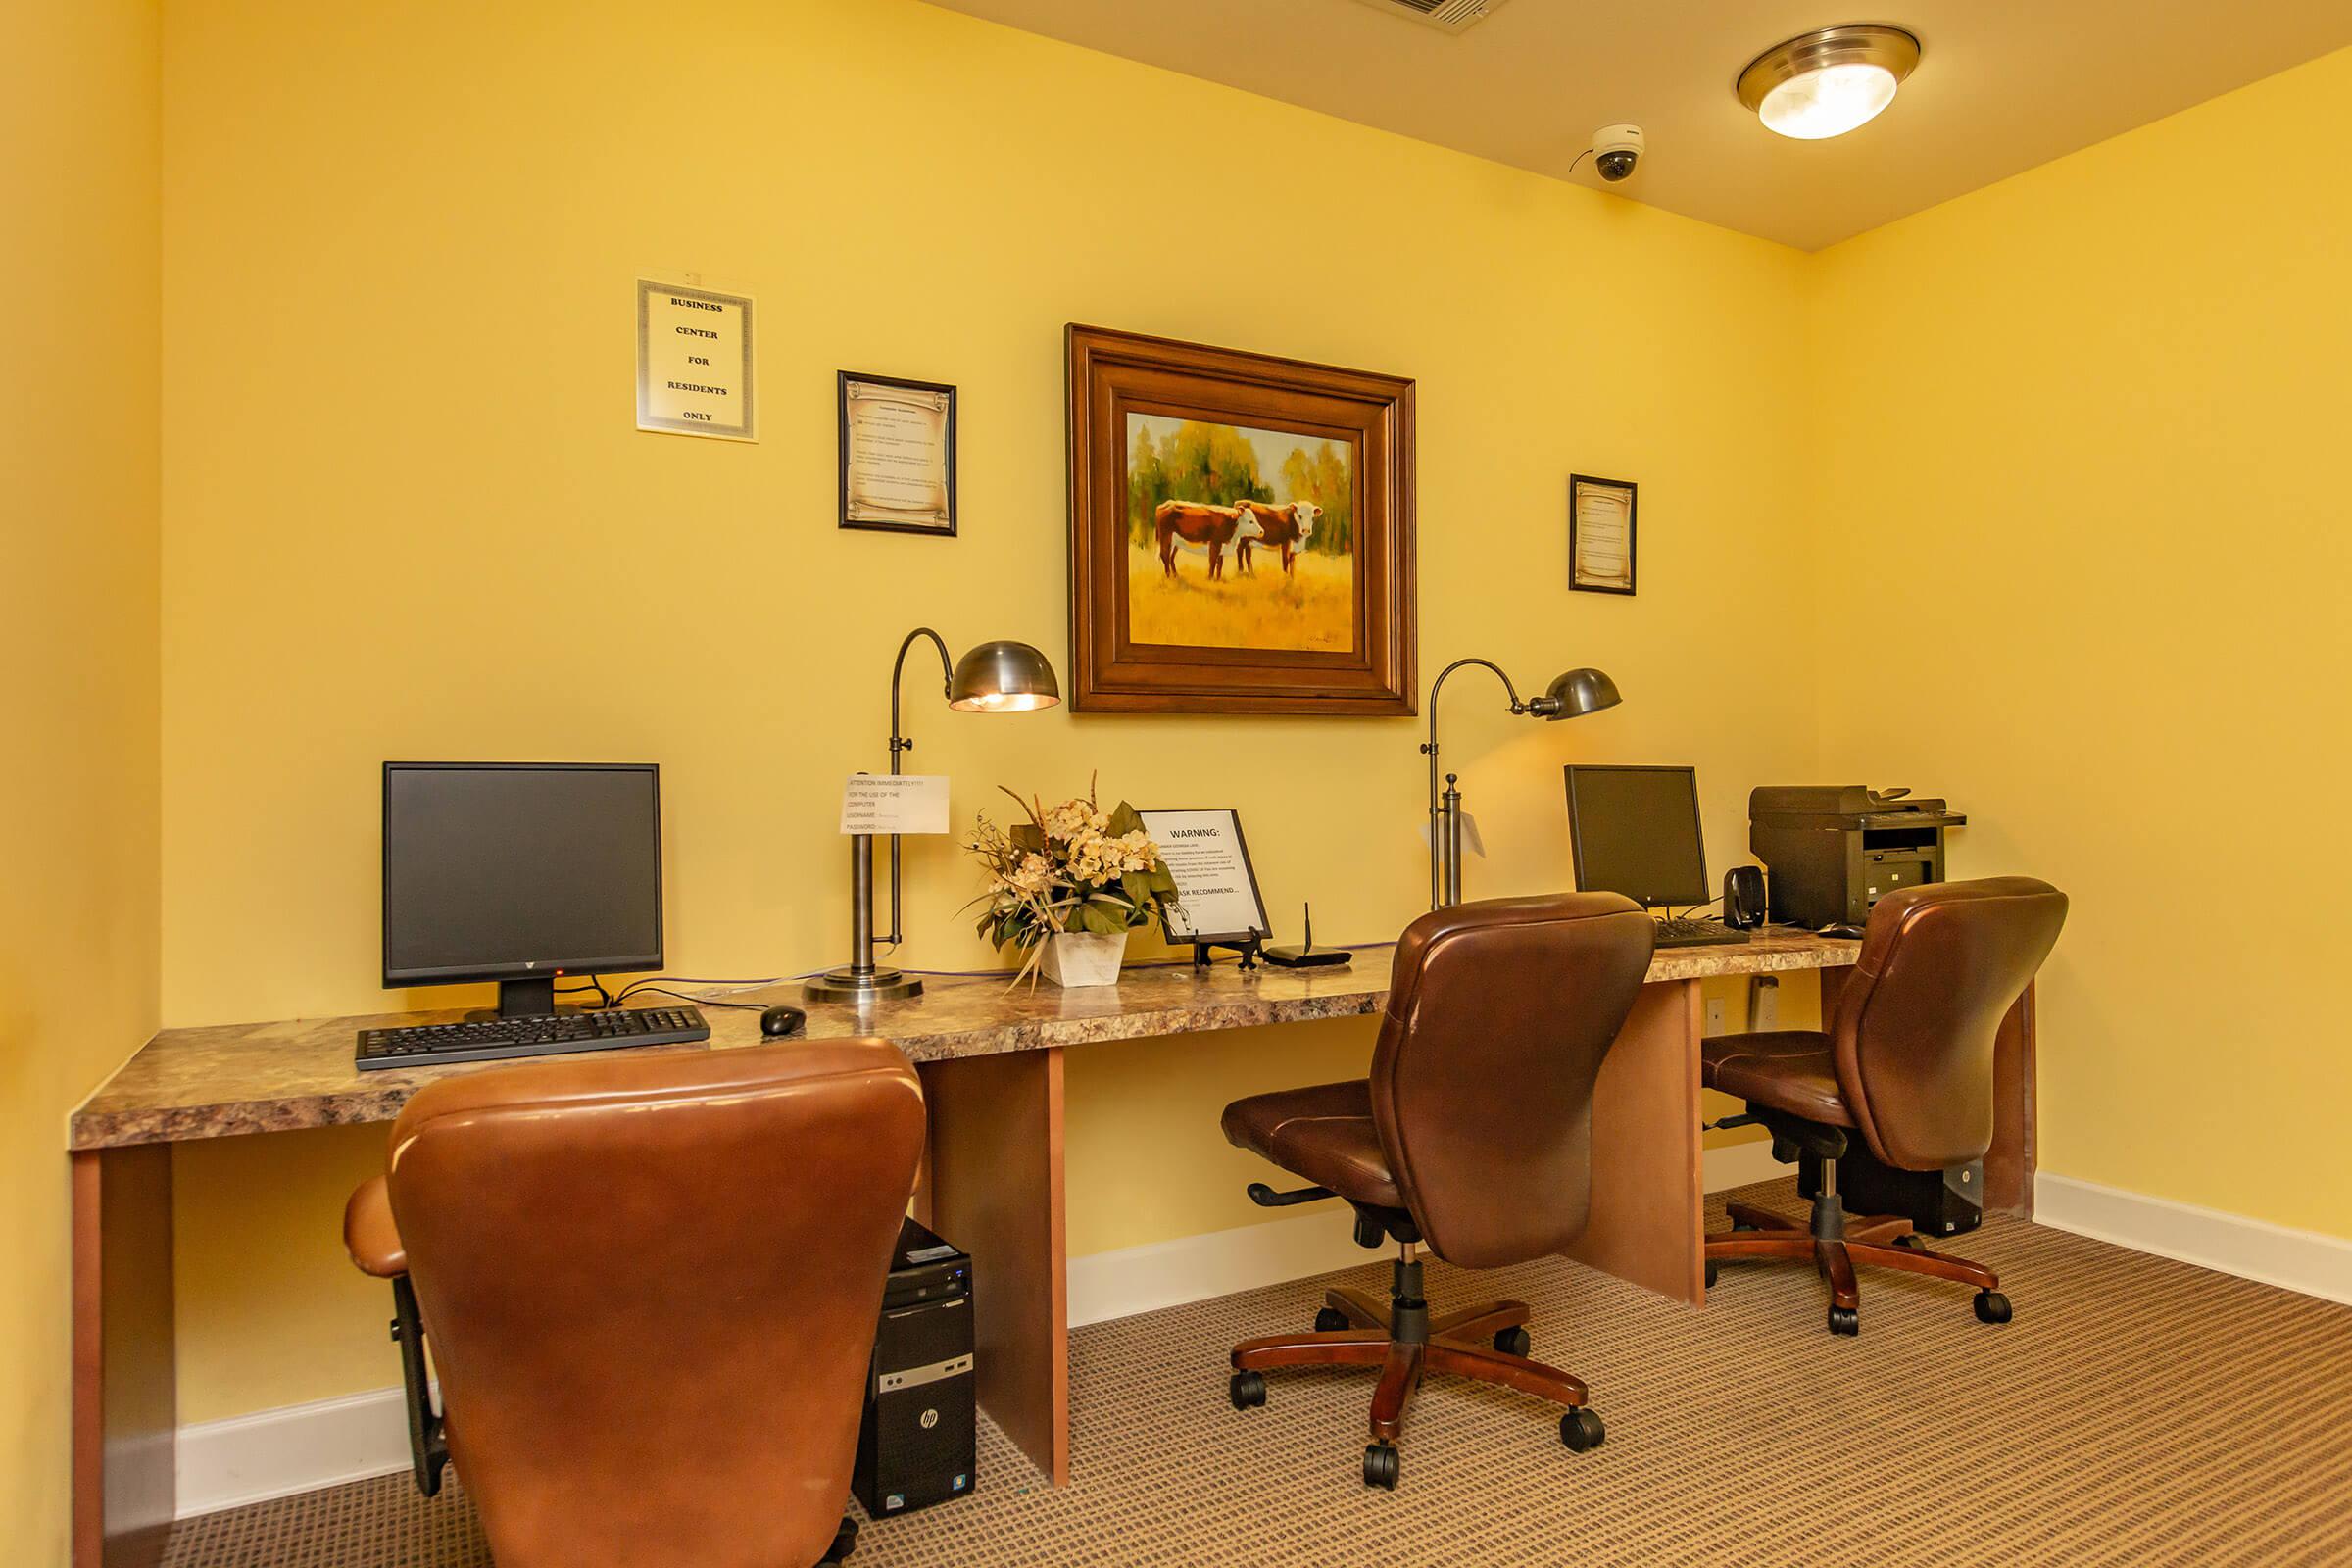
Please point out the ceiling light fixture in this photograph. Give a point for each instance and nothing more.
(1825, 83)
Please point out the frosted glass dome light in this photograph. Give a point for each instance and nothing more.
(1827, 84)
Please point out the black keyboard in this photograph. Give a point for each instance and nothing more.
(1675, 932)
(428, 1045)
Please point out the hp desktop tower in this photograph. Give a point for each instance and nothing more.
(920, 1440)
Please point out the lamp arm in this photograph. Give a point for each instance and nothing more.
(900, 742)
(1436, 835)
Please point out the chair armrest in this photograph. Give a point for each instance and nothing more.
(369, 1232)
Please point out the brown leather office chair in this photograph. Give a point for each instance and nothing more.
(1905, 1064)
(1472, 1137)
(651, 1285)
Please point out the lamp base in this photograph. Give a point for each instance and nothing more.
(847, 985)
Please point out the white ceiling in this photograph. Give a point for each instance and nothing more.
(2002, 84)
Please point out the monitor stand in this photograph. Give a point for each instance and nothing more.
(533, 997)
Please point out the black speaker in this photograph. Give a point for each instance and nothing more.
(1743, 902)
(919, 1440)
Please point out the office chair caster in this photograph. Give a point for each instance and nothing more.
(1992, 1308)
(1844, 1320)
(1514, 1342)
(1380, 1466)
(1331, 1320)
(1580, 1430)
(1713, 1269)
(1248, 1390)
(845, 1542)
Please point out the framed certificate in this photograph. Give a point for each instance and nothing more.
(1216, 889)
(898, 454)
(1600, 535)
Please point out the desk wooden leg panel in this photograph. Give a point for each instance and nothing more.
(1648, 1215)
(2009, 1166)
(993, 1186)
(126, 1372)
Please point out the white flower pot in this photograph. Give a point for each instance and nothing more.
(1085, 957)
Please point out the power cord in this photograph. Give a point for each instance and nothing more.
(707, 1001)
(666, 986)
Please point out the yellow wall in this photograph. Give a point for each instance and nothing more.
(78, 264)
(2081, 444)
(407, 514)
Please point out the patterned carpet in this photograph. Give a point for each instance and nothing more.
(2137, 1412)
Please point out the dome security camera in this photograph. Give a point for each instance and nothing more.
(1615, 151)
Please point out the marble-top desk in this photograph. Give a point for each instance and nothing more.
(990, 1059)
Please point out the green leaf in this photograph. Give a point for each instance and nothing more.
(1027, 836)
(1125, 819)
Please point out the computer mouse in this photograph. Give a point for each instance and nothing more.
(1844, 933)
(777, 1023)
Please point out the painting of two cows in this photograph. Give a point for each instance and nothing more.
(1239, 537)
(1240, 532)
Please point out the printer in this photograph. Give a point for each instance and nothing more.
(1834, 850)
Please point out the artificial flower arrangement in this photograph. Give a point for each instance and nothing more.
(1068, 884)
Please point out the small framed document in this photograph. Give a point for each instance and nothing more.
(694, 361)
(1600, 535)
(898, 454)
(1216, 889)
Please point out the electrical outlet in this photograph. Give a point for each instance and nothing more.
(1715, 1016)
(1768, 1002)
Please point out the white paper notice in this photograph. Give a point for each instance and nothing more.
(1472, 842)
(1216, 896)
(913, 803)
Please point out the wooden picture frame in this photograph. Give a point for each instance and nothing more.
(1598, 561)
(909, 485)
(1266, 602)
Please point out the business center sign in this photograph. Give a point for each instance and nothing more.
(694, 361)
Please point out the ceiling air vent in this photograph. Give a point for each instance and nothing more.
(1454, 15)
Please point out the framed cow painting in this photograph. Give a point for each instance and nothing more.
(1240, 532)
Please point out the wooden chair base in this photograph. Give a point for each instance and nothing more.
(1761, 1233)
(1460, 1344)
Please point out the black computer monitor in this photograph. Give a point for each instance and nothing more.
(519, 872)
(1635, 831)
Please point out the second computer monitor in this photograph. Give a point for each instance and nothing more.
(1635, 831)
(519, 872)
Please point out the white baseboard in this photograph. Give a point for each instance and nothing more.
(1741, 1165)
(2250, 1249)
(276, 1454)
(302, 1448)
(1192, 1268)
